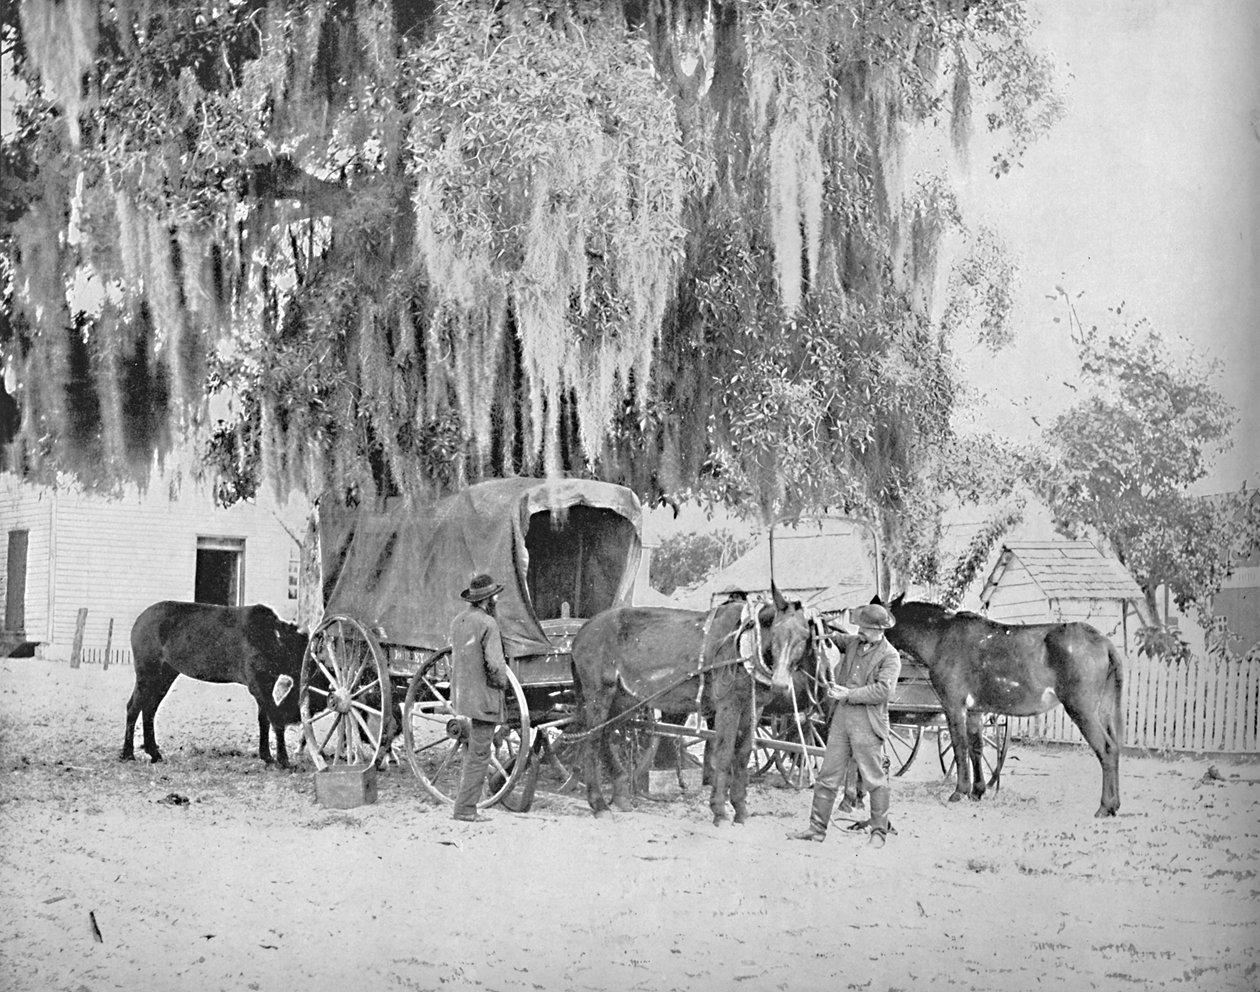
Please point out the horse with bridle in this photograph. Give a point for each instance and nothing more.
(978, 666)
(727, 662)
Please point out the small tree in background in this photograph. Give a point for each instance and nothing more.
(1122, 460)
(686, 559)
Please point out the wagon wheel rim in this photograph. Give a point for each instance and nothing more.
(345, 695)
(436, 758)
(764, 755)
(903, 746)
(995, 738)
(799, 770)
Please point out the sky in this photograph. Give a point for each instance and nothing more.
(1146, 194)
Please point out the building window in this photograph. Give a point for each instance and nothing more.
(15, 588)
(220, 571)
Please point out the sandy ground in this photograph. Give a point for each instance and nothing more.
(253, 885)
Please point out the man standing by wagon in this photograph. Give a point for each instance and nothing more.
(479, 677)
(864, 682)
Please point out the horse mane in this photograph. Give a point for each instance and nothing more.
(944, 611)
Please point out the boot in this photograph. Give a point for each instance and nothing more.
(879, 816)
(819, 815)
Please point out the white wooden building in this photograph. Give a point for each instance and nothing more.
(63, 551)
(1040, 581)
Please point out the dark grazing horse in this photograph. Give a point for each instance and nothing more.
(245, 644)
(978, 666)
(631, 657)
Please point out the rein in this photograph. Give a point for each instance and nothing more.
(700, 669)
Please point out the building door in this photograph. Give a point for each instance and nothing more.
(220, 571)
(15, 589)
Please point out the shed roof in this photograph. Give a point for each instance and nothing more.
(1066, 570)
(829, 563)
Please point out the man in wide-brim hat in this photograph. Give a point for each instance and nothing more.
(864, 682)
(478, 680)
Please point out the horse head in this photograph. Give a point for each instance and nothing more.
(790, 638)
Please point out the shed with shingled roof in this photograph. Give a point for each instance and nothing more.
(1055, 581)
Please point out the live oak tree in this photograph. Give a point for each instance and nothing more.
(693, 247)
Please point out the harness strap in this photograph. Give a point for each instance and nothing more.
(702, 668)
(704, 643)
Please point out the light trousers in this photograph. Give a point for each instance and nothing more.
(851, 738)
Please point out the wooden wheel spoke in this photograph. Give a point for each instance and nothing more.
(332, 682)
(354, 739)
(340, 654)
(437, 742)
(367, 731)
(356, 664)
(365, 687)
(323, 692)
(331, 730)
(449, 758)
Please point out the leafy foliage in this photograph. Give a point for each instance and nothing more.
(671, 245)
(1125, 456)
(685, 559)
(1163, 641)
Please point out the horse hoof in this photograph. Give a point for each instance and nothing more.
(977, 796)
(602, 814)
(956, 797)
(126, 757)
(721, 821)
(1104, 812)
(740, 818)
(624, 806)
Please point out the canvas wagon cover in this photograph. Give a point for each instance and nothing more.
(400, 569)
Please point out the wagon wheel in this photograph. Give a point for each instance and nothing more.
(345, 695)
(552, 749)
(437, 758)
(903, 746)
(994, 739)
(799, 770)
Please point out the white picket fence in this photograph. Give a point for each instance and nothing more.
(96, 656)
(1204, 705)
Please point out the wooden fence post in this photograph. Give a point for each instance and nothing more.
(76, 652)
(109, 641)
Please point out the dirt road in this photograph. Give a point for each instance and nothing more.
(252, 885)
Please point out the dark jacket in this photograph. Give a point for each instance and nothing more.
(871, 678)
(479, 671)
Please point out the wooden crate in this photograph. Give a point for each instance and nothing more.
(346, 786)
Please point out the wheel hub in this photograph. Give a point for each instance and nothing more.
(340, 701)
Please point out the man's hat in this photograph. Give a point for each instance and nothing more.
(873, 615)
(481, 587)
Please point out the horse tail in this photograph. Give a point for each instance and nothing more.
(1115, 687)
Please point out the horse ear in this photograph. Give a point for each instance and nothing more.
(780, 603)
(876, 601)
(897, 602)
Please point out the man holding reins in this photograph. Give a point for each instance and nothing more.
(864, 682)
(479, 678)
